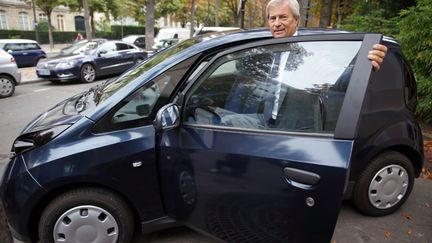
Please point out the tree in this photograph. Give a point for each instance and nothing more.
(149, 30)
(415, 37)
(47, 7)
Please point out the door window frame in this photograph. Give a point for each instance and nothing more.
(347, 122)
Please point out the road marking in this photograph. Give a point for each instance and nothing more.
(40, 90)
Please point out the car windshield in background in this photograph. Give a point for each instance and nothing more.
(105, 90)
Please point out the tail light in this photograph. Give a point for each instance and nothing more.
(12, 59)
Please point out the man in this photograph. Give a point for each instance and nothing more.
(283, 19)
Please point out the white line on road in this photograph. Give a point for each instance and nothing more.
(40, 90)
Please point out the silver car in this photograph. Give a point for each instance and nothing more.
(9, 74)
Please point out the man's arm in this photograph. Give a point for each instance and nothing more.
(376, 55)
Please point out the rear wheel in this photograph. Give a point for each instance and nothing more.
(88, 73)
(7, 86)
(384, 185)
(87, 215)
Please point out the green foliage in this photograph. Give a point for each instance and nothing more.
(43, 25)
(374, 21)
(416, 39)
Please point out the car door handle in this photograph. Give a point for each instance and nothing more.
(304, 177)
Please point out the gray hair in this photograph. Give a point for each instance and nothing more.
(293, 4)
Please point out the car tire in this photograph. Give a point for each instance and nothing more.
(87, 215)
(7, 86)
(88, 73)
(384, 185)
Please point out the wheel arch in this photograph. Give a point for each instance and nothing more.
(54, 192)
(10, 76)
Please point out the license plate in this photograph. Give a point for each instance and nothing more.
(44, 72)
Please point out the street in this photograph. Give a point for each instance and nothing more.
(412, 223)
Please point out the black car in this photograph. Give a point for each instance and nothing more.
(241, 136)
(99, 59)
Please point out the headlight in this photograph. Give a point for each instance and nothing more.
(36, 139)
(66, 64)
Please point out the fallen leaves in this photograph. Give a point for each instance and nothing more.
(409, 231)
(427, 205)
(388, 234)
(407, 215)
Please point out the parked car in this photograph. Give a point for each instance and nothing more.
(9, 74)
(185, 138)
(25, 52)
(100, 59)
(212, 29)
(80, 47)
(170, 33)
(138, 40)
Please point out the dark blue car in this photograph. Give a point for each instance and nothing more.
(99, 59)
(25, 52)
(241, 136)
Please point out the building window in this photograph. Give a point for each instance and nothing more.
(43, 17)
(24, 21)
(79, 23)
(3, 20)
(60, 23)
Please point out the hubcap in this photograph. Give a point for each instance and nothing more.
(86, 224)
(388, 186)
(89, 73)
(6, 86)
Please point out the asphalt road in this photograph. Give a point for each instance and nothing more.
(412, 223)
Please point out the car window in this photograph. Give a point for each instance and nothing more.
(122, 46)
(140, 108)
(108, 47)
(14, 47)
(31, 46)
(287, 87)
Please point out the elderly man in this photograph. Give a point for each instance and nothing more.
(283, 19)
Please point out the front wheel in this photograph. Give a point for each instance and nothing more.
(88, 73)
(384, 185)
(87, 215)
(7, 86)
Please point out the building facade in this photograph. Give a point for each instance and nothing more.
(18, 15)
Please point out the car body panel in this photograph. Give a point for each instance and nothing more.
(251, 188)
(25, 52)
(9, 67)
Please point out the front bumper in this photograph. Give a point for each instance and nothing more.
(18, 194)
(58, 74)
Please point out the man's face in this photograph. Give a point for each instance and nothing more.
(281, 21)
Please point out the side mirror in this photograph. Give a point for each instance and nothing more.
(102, 53)
(167, 117)
(9, 51)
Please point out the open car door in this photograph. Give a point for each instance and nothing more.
(242, 172)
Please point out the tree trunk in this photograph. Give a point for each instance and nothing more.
(192, 19)
(92, 23)
(326, 13)
(86, 20)
(149, 30)
(217, 3)
(50, 36)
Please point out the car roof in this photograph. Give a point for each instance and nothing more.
(17, 41)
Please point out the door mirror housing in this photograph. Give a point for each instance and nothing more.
(103, 52)
(167, 117)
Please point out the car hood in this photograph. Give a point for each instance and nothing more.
(61, 58)
(64, 113)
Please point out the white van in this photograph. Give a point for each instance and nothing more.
(170, 33)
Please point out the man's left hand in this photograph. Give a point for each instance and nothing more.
(376, 55)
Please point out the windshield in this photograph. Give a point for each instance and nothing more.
(102, 92)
